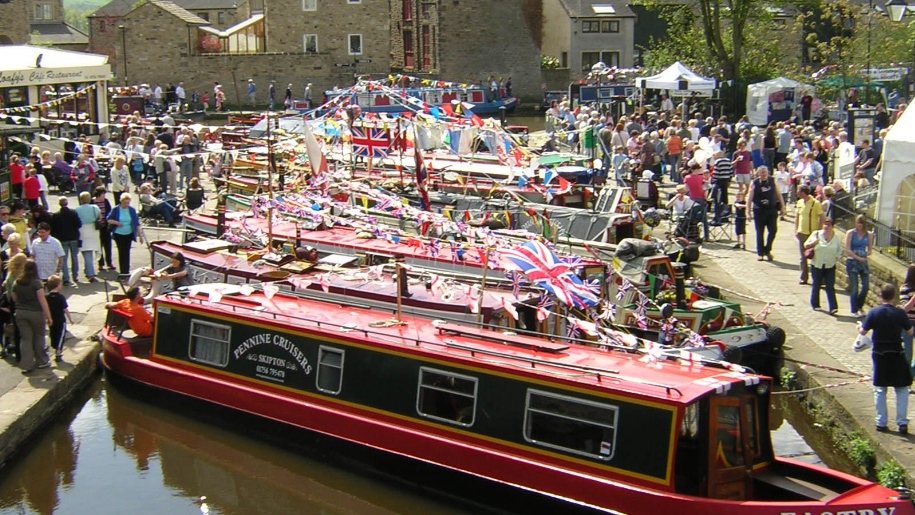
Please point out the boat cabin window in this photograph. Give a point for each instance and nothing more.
(575, 425)
(447, 396)
(330, 370)
(209, 343)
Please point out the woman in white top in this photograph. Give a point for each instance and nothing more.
(43, 189)
(120, 177)
(826, 252)
(679, 204)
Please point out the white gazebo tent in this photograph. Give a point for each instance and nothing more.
(896, 193)
(760, 97)
(680, 80)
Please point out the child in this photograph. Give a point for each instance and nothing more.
(783, 178)
(740, 221)
(57, 305)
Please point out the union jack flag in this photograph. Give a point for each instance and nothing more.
(370, 142)
(609, 310)
(543, 268)
(623, 289)
(544, 307)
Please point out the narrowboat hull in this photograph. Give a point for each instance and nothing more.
(484, 445)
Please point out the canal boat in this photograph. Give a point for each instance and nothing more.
(342, 279)
(606, 429)
(406, 100)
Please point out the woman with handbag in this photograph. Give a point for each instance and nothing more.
(126, 229)
(859, 243)
(89, 237)
(823, 249)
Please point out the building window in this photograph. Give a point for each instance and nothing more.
(210, 343)
(427, 47)
(311, 43)
(564, 59)
(610, 26)
(205, 16)
(574, 425)
(407, 10)
(354, 1)
(330, 370)
(447, 396)
(102, 26)
(408, 57)
(309, 5)
(43, 11)
(354, 44)
(590, 26)
(221, 18)
(589, 59)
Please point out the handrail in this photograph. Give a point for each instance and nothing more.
(597, 372)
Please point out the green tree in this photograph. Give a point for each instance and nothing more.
(78, 18)
(730, 39)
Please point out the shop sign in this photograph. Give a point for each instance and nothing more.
(53, 76)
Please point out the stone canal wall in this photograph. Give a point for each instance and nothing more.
(33, 402)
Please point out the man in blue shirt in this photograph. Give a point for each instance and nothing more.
(252, 88)
(891, 368)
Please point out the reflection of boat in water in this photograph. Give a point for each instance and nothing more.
(237, 476)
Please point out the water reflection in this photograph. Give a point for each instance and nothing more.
(34, 485)
(113, 453)
(235, 474)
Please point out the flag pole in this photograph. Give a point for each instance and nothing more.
(269, 185)
(486, 251)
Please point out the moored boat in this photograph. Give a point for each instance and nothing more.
(601, 429)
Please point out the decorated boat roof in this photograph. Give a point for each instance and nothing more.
(613, 371)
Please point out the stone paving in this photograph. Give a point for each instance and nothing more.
(818, 344)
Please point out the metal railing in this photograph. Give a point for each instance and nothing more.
(889, 241)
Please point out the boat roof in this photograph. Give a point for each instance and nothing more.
(463, 346)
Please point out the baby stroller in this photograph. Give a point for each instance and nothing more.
(688, 225)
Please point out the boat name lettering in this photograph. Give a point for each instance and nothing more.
(278, 341)
(878, 511)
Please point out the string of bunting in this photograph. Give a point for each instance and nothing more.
(48, 103)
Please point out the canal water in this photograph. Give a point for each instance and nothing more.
(111, 452)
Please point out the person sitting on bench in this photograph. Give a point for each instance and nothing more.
(139, 320)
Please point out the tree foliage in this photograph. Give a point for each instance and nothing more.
(78, 18)
(847, 36)
(729, 39)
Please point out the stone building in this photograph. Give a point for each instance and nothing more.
(301, 41)
(48, 28)
(583, 33)
(15, 20)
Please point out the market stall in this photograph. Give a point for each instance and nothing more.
(777, 100)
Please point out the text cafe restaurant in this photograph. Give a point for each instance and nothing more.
(40, 88)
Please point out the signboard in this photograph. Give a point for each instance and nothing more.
(885, 74)
(54, 76)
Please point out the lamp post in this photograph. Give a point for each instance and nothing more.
(124, 50)
(896, 10)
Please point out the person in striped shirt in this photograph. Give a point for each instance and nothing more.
(722, 173)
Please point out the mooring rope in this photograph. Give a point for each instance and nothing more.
(823, 387)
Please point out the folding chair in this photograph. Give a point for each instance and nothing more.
(722, 229)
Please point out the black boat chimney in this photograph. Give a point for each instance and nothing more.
(679, 278)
